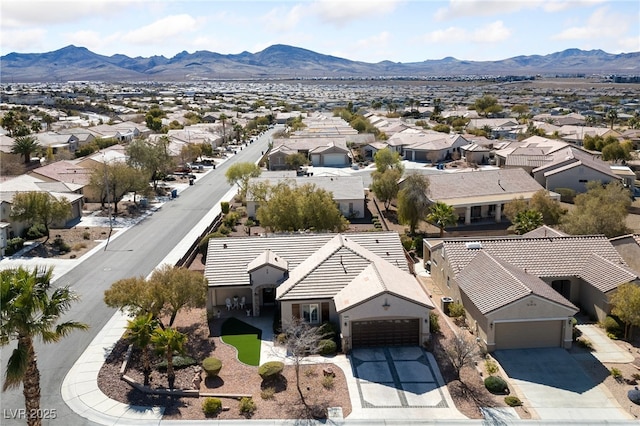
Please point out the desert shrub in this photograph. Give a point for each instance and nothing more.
(616, 373)
(267, 393)
(179, 362)
(567, 195)
(418, 245)
(310, 372)
(211, 406)
(62, 246)
(328, 330)
(327, 347)
(613, 327)
(328, 381)
(78, 246)
(407, 242)
(224, 230)
(456, 310)
(491, 366)
(635, 376)
(14, 245)
(495, 384)
(36, 231)
(247, 406)
(86, 235)
(434, 324)
(585, 343)
(270, 369)
(230, 219)
(212, 366)
(224, 206)
(512, 401)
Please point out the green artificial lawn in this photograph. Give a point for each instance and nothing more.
(245, 338)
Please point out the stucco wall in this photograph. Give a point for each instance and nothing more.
(571, 179)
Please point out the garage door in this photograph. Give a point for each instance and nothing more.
(334, 160)
(399, 332)
(534, 334)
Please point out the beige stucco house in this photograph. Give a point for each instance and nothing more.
(360, 282)
(521, 292)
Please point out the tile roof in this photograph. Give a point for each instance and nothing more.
(549, 257)
(228, 258)
(544, 231)
(267, 257)
(491, 283)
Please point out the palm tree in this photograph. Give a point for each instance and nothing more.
(25, 145)
(139, 332)
(167, 341)
(442, 215)
(28, 311)
(612, 116)
(527, 221)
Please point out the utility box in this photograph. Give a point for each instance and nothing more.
(446, 302)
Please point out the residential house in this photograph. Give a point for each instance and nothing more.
(58, 142)
(347, 191)
(576, 134)
(359, 282)
(321, 151)
(427, 146)
(522, 292)
(500, 127)
(628, 246)
(68, 172)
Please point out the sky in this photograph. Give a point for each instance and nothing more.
(360, 30)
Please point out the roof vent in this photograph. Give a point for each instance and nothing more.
(474, 245)
(224, 246)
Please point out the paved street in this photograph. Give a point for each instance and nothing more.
(136, 252)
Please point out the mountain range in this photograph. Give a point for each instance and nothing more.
(284, 62)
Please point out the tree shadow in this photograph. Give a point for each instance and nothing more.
(278, 383)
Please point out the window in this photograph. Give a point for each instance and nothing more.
(310, 313)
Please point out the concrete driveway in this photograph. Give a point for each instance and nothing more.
(555, 386)
(399, 383)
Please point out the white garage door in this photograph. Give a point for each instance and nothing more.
(334, 160)
(534, 334)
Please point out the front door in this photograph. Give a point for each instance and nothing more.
(269, 296)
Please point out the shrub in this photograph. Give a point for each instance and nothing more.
(327, 347)
(270, 369)
(612, 326)
(585, 343)
(86, 235)
(14, 245)
(203, 245)
(328, 330)
(327, 382)
(616, 373)
(456, 310)
(224, 206)
(179, 362)
(78, 246)
(224, 230)
(230, 219)
(281, 338)
(268, 393)
(36, 231)
(491, 367)
(211, 406)
(212, 366)
(407, 242)
(247, 406)
(512, 401)
(418, 245)
(434, 324)
(62, 246)
(496, 384)
(567, 195)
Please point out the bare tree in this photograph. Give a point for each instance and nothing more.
(302, 340)
(461, 352)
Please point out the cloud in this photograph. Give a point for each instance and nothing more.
(26, 13)
(281, 19)
(491, 33)
(22, 40)
(600, 25)
(162, 30)
(92, 40)
(341, 12)
(472, 8)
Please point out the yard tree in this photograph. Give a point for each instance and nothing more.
(461, 352)
(240, 173)
(515, 206)
(527, 220)
(521, 110)
(603, 209)
(612, 116)
(190, 152)
(413, 203)
(385, 185)
(114, 181)
(442, 215)
(182, 288)
(139, 332)
(288, 207)
(25, 146)
(301, 341)
(551, 209)
(487, 105)
(36, 207)
(31, 309)
(135, 296)
(295, 161)
(616, 151)
(167, 341)
(153, 158)
(626, 306)
(386, 159)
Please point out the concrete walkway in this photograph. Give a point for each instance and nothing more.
(604, 349)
